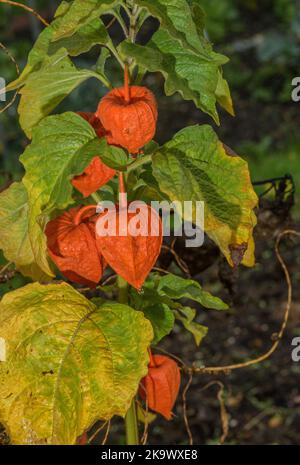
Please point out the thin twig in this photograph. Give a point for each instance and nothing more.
(223, 412)
(106, 434)
(184, 403)
(27, 8)
(180, 262)
(266, 355)
(12, 58)
(98, 430)
(5, 268)
(170, 355)
(160, 270)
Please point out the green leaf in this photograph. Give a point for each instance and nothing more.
(74, 363)
(101, 62)
(81, 13)
(46, 88)
(224, 96)
(197, 330)
(177, 19)
(177, 288)
(195, 77)
(14, 237)
(162, 320)
(61, 148)
(194, 166)
(155, 309)
(92, 33)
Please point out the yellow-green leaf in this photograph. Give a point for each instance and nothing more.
(46, 88)
(194, 166)
(80, 13)
(68, 363)
(61, 148)
(14, 237)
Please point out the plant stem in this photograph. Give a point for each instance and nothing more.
(132, 435)
(139, 162)
(131, 426)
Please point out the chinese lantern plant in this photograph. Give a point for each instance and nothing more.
(79, 360)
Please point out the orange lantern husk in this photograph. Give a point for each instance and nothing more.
(160, 387)
(129, 116)
(72, 247)
(130, 256)
(97, 174)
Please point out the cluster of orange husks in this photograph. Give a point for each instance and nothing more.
(127, 118)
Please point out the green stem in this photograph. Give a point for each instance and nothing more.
(139, 162)
(96, 197)
(132, 435)
(131, 425)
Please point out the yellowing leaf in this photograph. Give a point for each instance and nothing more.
(68, 363)
(14, 237)
(46, 88)
(80, 13)
(62, 147)
(194, 166)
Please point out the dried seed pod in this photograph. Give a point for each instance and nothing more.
(97, 174)
(129, 116)
(72, 247)
(130, 255)
(161, 385)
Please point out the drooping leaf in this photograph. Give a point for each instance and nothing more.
(178, 19)
(162, 320)
(194, 166)
(46, 88)
(176, 288)
(196, 329)
(81, 13)
(155, 310)
(14, 237)
(195, 77)
(92, 33)
(74, 363)
(224, 96)
(61, 148)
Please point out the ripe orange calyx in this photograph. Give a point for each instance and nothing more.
(160, 386)
(72, 246)
(129, 116)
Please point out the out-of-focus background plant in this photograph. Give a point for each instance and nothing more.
(262, 38)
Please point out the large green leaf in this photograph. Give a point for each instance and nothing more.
(195, 77)
(194, 166)
(50, 75)
(178, 19)
(62, 147)
(68, 363)
(14, 237)
(46, 88)
(176, 288)
(92, 33)
(81, 13)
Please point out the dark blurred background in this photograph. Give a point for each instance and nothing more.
(262, 39)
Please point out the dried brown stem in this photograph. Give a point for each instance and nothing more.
(12, 58)
(184, 404)
(266, 355)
